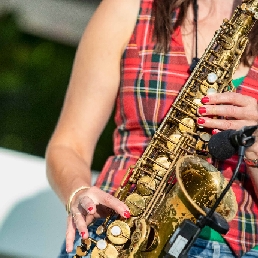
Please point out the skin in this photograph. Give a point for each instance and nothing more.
(90, 99)
(242, 111)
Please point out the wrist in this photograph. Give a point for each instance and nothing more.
(251, 162)
(68, 205)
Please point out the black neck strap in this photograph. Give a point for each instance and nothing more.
(195, 12)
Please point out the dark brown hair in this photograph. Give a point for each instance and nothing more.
(163, 27)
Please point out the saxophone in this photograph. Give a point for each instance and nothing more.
(171, 181)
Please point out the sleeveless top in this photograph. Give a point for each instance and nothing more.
(150, 82)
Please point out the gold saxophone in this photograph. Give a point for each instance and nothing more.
(170, 182)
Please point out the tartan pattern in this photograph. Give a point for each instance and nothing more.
(243, 233)
(150, 83)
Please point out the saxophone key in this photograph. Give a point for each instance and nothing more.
(101, 244)
(86, 243)
(100, 230)
(199, 145)
(118, 232)
(212, 77)
(205, 86)
(104, 250)
(205, 136)
(187, 124)
(146, 185)
(197, 103)
(161, 166)
(211, 91)
(80, 251)
(173, 141)
(136, 204)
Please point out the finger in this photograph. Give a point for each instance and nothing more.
(232, 98)
(79, 222)
(222, 124)
(255, 133)
(236, 112)
(112, 202)
(89, 219)
(87, 204)
(70, 234)
(215, 131)
(96, 196)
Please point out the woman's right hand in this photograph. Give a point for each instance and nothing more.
(85, 207)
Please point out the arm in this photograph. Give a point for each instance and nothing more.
(87, 107)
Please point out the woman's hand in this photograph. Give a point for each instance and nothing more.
(232, 111)
(86, 206)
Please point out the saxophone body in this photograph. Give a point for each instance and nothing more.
(171, 181)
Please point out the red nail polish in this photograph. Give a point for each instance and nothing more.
(90, 208)
(82, 234)
(209, 160)
(127, 214)
(202, 110)
(200, 121)
(214, 131)
(205, 100)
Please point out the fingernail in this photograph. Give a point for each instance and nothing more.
(209, 160)
(202, 110)
(90, 209)
(127, 214)
(214, 131)
(82, 234)
(205, 100)
(200, 121)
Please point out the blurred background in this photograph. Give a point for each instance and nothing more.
(38, 40)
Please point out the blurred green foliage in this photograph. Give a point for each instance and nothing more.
(34, 74)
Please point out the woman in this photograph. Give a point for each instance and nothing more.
(119, 61)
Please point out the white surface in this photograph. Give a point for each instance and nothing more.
(63, 21)
(32, 219)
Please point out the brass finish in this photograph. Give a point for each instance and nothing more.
(174, 139)
(202, 184)
(100, 230)
(205, 136)
(87, 243)
(123, 237)
(80, 252)
(109, 252)
(146, 186)
(187, 124)
(161, 165)
(136, 204)
(170, 182)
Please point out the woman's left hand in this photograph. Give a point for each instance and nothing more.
(231, 111)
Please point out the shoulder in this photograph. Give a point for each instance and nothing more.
(118, 13)
(119, 6)
(114, 20)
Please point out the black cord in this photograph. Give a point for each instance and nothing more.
(203, 220)
(195, 9)
(195, 60)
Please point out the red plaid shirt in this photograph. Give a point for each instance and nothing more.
(150, 83)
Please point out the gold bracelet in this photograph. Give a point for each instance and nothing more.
(68, 205)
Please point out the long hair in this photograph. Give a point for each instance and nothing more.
(163, 27)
